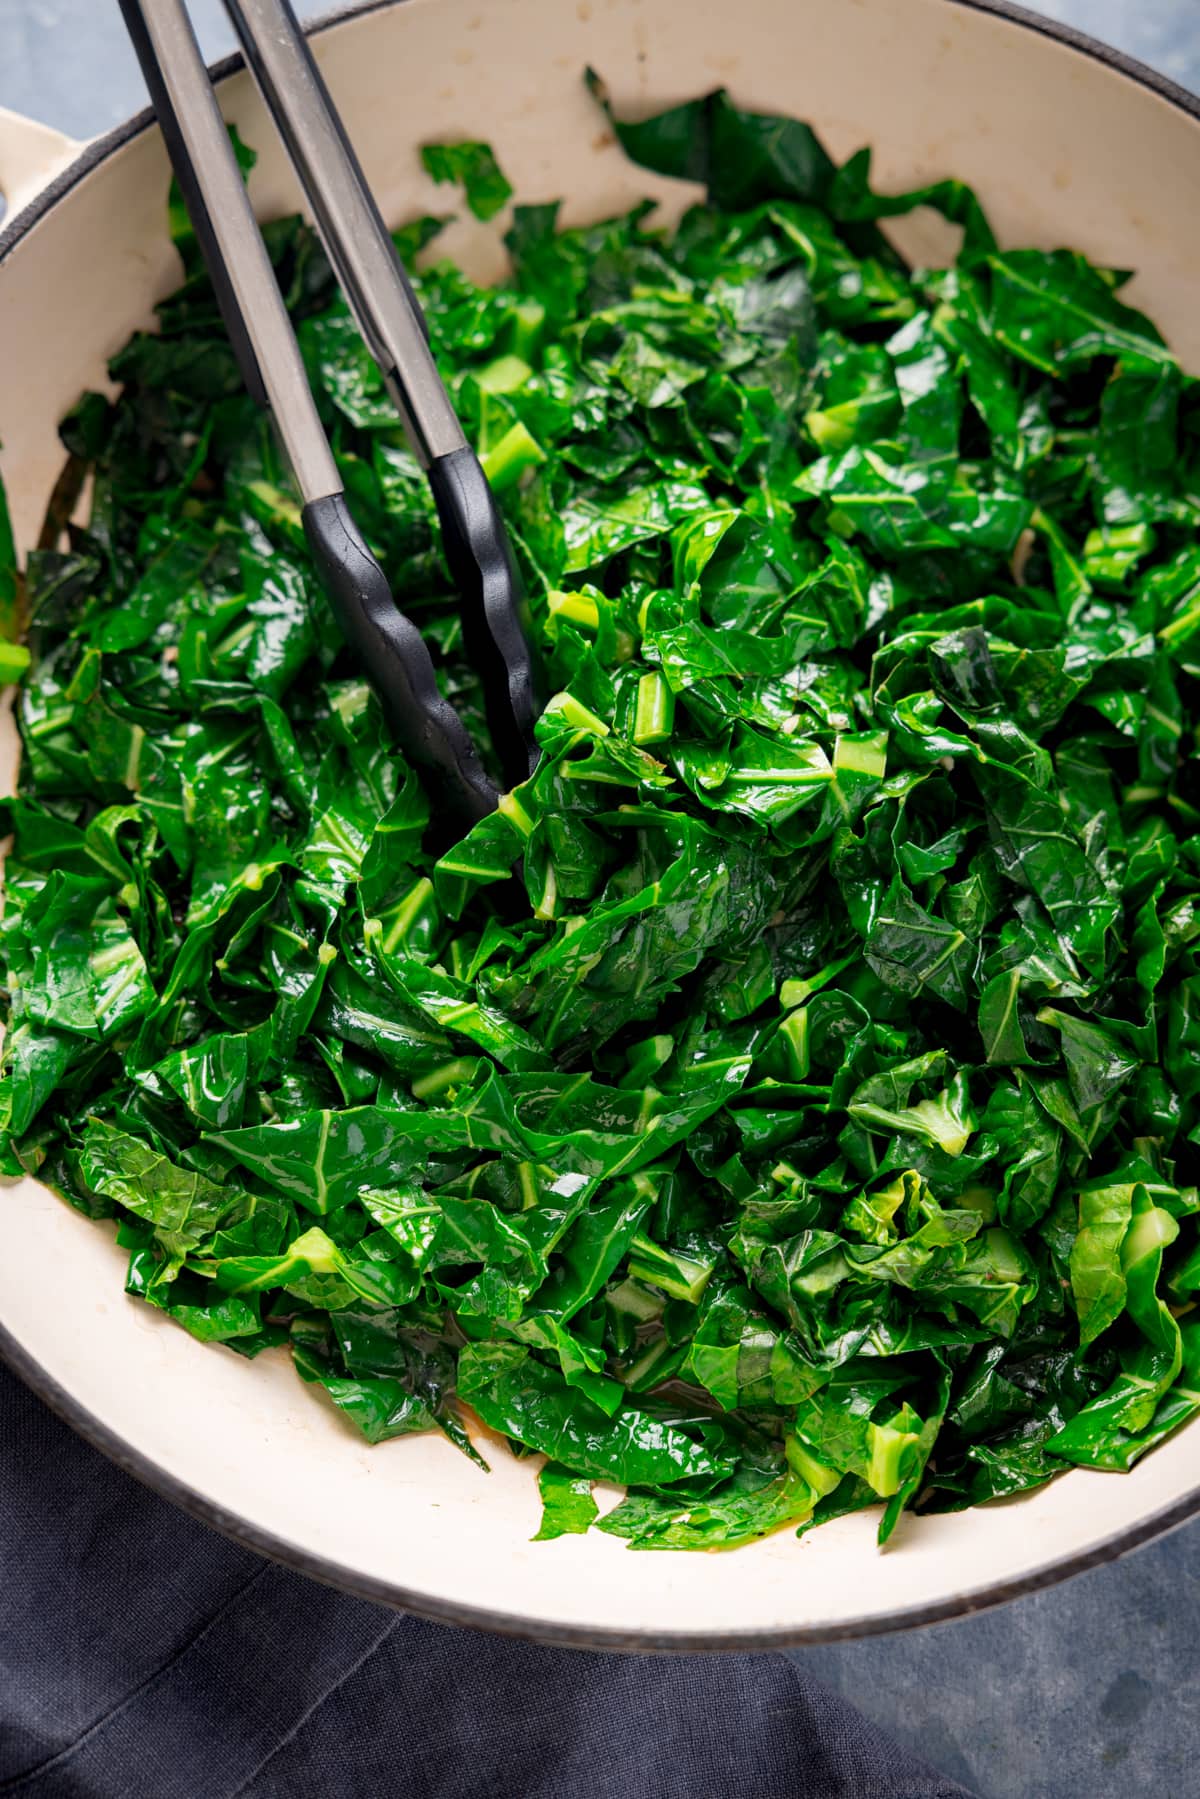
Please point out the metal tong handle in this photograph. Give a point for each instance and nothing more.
(207, 171)
(386, 311)
(390, 647)
(356, 240)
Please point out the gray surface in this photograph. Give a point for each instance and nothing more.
(68, 63)
(1086, 1691)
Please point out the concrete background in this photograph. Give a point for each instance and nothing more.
(1088, 1690)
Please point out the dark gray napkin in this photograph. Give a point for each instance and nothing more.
(141, 1653)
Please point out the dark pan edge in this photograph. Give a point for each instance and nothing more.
(332, 1573)
(1085, 45)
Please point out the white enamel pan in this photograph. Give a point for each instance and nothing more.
(1066, 143)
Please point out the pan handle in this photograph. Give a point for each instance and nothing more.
(31, 155)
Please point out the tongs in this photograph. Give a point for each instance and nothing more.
(389, 646)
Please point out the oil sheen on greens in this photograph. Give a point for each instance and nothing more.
(811, 1120)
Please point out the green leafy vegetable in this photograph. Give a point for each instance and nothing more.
(568, 1508)
(472, 167)
(788, 1101)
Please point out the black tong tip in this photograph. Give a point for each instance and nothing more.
(427, 727)
(495, 630)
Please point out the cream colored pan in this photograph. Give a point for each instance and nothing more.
(1066, 144)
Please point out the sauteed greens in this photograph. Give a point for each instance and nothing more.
(813, 1118)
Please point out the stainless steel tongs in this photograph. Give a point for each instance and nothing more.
(391, 649)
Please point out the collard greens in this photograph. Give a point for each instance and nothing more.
(790, 1098)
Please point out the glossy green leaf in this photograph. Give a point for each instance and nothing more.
(568, 1508)
(787, 1100)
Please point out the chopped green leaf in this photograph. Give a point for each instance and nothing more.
(473, 167)
(787, 1101)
